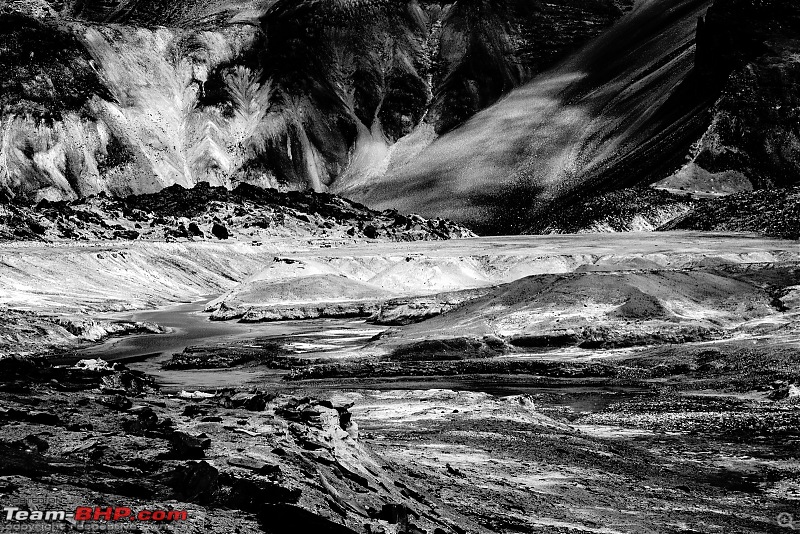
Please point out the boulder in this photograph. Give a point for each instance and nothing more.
(196, 482)
(188, 446)
(219, 231)
(117, 402)
(195, 230)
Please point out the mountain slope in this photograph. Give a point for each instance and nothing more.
(630, 109)
(611, 106)
(275, 93)
(446, 109)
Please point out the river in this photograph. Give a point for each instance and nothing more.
(187, 325)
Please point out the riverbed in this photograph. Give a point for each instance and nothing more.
(188, 325)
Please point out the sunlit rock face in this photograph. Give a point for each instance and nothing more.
(497, 113)
(131, 97)
(113, 108)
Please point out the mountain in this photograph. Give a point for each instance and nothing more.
(501, 114)
(679, 92)
(130, 97)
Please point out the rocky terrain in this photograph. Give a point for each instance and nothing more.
(623, 308)
(213, 213)
(773, 213)
(25, 333)
(629, 382)
(197, 311)
(566, 458)
(640, 209)
(525, 291)
(542, 472)
(770, 212)
(690, 428)
(236, 461)
(665, 438)
(149, 250)
(403, 285)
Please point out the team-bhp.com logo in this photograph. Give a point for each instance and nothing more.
(96, 513)
(46, 516)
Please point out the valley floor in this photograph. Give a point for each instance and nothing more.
(593, 383)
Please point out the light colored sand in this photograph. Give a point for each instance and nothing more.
(93, 277)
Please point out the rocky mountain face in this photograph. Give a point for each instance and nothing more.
(131, 97)
(496, 113)
(752, 50)
(742, 172)
(697, 96)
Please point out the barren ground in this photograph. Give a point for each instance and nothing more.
(592, 383)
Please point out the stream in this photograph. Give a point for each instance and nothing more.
(186, 323)
(188, 326)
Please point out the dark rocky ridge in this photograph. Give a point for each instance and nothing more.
(623, 210)
(767, 212)
(206, 212)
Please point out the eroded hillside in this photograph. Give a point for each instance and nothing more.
(706, 108)
(131, 97)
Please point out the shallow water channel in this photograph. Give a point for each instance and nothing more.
(188, 326)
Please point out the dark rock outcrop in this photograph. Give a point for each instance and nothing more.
(188, 446)
(297, 465)
(196, 482)
(198, 213)
(205, 358)
(219, 231)
(623, 210)
(769, 212)
(750, 50)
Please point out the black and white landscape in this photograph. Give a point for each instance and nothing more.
(401, 266)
